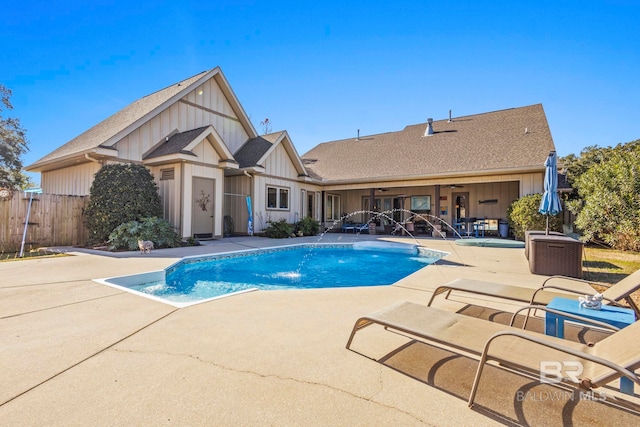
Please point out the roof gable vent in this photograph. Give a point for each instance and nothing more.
(429, 130)
(167, 174)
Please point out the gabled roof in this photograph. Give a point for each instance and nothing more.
(176, 144)
(504, 141)
(180, 146)
(115, 127)
(255, 151)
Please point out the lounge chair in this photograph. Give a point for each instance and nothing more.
(616, 356)
(542, 296)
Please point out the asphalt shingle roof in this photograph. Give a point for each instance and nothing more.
(111, 126)
(483, 142)
(252, 151)
(176, 143)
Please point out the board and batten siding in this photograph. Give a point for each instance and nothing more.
(278, 163)
(169, 191)
(279, 172)
(193, 111)
(73, 180)
(236, 189)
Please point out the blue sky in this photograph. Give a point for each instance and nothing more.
(322, 70)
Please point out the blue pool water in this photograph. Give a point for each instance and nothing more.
(292, 267)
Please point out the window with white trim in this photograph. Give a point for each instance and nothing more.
(277, 198)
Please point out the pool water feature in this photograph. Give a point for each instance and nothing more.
(307, 266)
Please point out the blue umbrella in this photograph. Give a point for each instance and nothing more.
(550, 204)
(250, 220)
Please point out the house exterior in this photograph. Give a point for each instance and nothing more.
(215, 173)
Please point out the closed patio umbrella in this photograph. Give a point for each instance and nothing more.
(550, 204)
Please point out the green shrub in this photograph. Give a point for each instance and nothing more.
(609, 209)
(308, 226)
(120, 193)
(159, 231)
(523, 215)
(279, 229)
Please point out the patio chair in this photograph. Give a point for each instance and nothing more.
(616, 356)
(542, 296)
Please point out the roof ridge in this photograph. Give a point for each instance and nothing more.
(453, 118)
(175, 84)
(362, 137)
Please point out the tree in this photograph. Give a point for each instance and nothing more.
(608, 208)
(13, 144)
(120, 193)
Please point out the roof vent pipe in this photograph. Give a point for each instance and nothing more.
(449, 116)
(429, 130)
(358, 137)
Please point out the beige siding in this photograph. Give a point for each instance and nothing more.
(206, 153)
(504, 192)
(279, 172)
(531, 184)
(169, 191)
(235, 204)
(279, 164)
(74, 180)
(193, 111)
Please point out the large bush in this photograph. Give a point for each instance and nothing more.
(159, 231)
(120, 193)
(608, 208)
(523, 215)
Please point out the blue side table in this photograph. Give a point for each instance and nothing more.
(614, 316)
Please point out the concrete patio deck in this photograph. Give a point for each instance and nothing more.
(75, 352)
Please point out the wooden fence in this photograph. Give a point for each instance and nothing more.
(54, 220)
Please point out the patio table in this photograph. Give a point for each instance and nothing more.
(614, 316)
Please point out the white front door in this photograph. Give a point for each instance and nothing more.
(202, 208)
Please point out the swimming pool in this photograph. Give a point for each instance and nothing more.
(197, 279)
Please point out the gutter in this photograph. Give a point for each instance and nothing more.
(446, 176)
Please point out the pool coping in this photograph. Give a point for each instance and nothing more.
(126, 281)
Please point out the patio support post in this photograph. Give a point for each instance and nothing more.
(436, 205)
(372, 202)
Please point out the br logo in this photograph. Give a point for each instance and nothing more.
(552, 372)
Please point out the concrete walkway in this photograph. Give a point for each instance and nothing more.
(75, 352)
